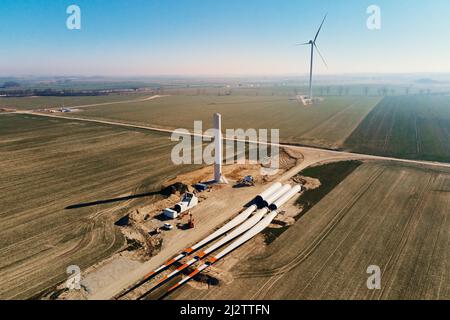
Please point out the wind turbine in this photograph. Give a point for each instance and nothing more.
(313, 45)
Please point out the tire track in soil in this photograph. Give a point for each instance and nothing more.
(335, 220)
(395, 256)
(277, 274)
(443, 225)
(368, 214)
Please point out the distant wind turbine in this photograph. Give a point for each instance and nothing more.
(314, 46)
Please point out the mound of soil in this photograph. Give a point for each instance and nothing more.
(175, 188)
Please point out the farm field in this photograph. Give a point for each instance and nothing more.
(413, 127)
(30, 103)
(48, 165)
(392, 216)
(327, 124)
(333, 132)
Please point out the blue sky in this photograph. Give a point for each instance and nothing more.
(221, 37)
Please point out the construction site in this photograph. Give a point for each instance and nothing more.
(220, 231)
(205, 151)
(203, 217)
(207, 227)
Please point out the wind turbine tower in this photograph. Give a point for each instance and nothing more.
(314, 47)
(218, 174)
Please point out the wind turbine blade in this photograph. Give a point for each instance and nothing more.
(320, 28)
(320, 54)
(302, 44)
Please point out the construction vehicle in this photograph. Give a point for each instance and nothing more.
(200, 187)
(248, 181)
(168, 226)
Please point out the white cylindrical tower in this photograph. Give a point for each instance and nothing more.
(218, 175)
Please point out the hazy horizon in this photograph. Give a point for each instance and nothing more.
(363, 75)
(198, 38)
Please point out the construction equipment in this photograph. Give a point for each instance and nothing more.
(168, 226)
(200, 187)
(245, 236)
(249, 224)
(240, 218)
(248, 181)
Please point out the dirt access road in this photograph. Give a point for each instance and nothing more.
(313, 155)
(118, 102)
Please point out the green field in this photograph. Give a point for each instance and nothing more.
(48, 165)
(413, 127)
(327, 124)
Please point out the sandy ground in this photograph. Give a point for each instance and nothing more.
(102, 275)
(211, 213)
(223, 270)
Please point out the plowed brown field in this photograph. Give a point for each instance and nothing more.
(392, 216)
(49, 164)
